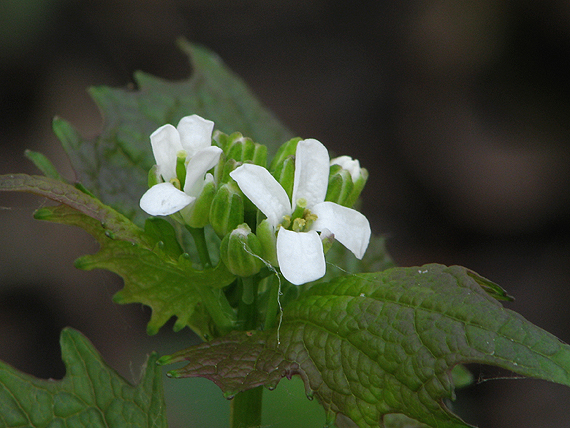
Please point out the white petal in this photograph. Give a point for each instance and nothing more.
(351, 165)
(300, 256)
(195, 133)
(203, 161)
(164, 199)
(349, 227)
(264, 191)
(311, 172)
(165, 143)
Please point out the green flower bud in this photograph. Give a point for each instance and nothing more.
(357, 174)
(242, 252)
(285, 174)
(287, 149)
(268, 239)
(197, 214)
(228, 167)
(245, 150)
(221, 139)
(340, 185)
(241, 148)
(226, 211)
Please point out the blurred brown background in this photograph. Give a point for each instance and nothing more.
(460, 110)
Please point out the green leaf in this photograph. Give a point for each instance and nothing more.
(115, 164)
(385, 343)
(91, 393)
(108, 222)
(155, 274)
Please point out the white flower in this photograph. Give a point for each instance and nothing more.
(192, 140)
(300, 250)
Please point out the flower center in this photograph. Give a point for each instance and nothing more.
(301, 220)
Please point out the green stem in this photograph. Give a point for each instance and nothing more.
(247, 307)
(200, 242)
(245, 409)
(273, 305)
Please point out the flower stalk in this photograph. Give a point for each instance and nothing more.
(200, 242)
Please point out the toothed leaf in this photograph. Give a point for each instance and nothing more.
(91, 393)
(385, 343)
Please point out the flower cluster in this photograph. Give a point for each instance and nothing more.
(306, 199)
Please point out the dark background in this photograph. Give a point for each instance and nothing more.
(458, 109)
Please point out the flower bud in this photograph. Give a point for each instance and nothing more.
(242, 252)
(197, 214)
(245, 150)
(266, 234)
(358, 176)
(241, 148)
(285, 174)
(226, 211)
(287, 149)
(340, 185)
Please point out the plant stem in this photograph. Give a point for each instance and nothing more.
(272, 304)
(247, 307)
(200, 242)
(245, 409)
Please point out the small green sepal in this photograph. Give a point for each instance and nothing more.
(358, 187)
(153, 176)
(285, 174)
(287, 149)
(340, 185)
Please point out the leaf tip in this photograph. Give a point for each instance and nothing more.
(164, 360)
(174, 374)
(43, 214)
(151, 329)
(229, 395)
(82, 263)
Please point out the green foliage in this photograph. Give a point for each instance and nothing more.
(91, 393)
(371, 345)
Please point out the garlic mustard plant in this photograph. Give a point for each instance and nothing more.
(299, 221)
